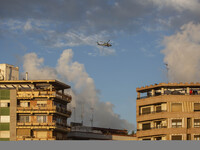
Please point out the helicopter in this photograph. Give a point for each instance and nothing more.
(107, 44)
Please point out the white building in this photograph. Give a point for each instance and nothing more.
(9, 72)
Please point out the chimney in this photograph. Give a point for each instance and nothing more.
(26, 75)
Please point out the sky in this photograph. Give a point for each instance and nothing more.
(58, 39)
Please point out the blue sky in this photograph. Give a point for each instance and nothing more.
(136, 30)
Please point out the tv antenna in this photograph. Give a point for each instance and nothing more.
(92, 119)
(82, 112)
(74, 108)
(167, 68)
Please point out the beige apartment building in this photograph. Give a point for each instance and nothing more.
(32, 109)
(168, 111)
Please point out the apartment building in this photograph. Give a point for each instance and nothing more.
(168, 111)
(32, 109)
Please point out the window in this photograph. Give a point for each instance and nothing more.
(146, 110)
(176, 123)
(196, 123)
(176, 137)
(176, 107)
(196, 106)
(24, 119)
(4, 103)
(146, 126)
(24, 104)
(158, 124)
(42, 103)
(158, 138)
(158, 108)
(42, 119)
(196, 137)
(4, 119)
(147, 139)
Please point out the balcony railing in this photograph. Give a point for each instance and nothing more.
(169, 93)
(153, 112)
(19, 108)
(20, 123)
(158, 127)
(28, 138)
(31, 94)
(53, 108)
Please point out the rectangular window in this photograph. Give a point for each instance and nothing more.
(158, 138)
(148, 139)
(5, 104)
(158, 108)
(4, 119)
(189, 122)
(24, 119)
(146, 126)
(146, 110)
(176, 137)
(42, 119)
(4, 134)
(176, 123)
(24, 104)
(176, 107)
(158, 124)
(196, 123)
(196, 137)
(196, 106)
(42, 103)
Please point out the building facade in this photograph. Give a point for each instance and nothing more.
(34, 110)
(168, 111)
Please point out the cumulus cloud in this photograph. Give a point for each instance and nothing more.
(85, 95)
(34, 66)
(182, 54)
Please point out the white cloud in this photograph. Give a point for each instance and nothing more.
(179, 5)
(84, 91)
(182, 54)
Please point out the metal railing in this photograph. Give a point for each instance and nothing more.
(167, 93)
(151, 128)
(28, 94)
(153, 112)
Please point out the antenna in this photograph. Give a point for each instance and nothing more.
(92, 119)
(74, 114)
(167, 67)
(82, 112)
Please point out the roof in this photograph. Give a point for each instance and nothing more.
(57, 84)
(168, 85)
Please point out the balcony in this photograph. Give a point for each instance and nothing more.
(36, 124)
(151, 128)
(53, 109)
(43, 94)
(168, 92)
(33, 138)
(35, 109)
(153, 112)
